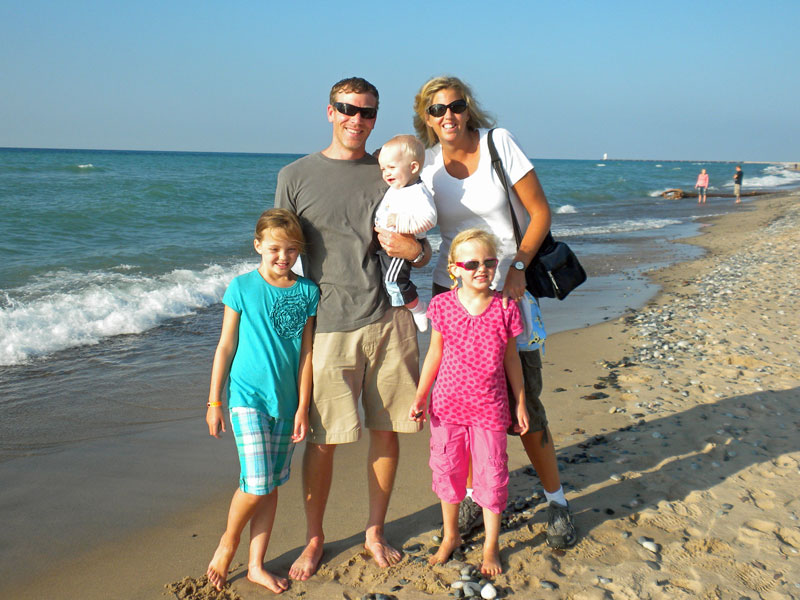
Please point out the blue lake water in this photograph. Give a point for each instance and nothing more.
(113, 265)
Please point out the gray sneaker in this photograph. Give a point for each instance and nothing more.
(470, 516)
(560, 530)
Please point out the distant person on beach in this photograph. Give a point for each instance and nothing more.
(701, 186)
(467, 194)
(407, 207)
(473, 350)
(362, 346)
(265, 348)
(737, 183)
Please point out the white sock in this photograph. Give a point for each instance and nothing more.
(557, 497)
(469, 493)
(420, 318)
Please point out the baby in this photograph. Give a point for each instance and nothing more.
(407, 207)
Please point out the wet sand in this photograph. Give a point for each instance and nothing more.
(676, 424)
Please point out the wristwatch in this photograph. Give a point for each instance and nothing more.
(519, 265)
(420, 256)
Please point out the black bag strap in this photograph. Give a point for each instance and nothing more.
(548, 242)
(497, 165)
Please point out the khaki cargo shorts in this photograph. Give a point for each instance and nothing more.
(378, 363)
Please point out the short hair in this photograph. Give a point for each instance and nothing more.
(285, 221)
(477, 117)
(409, 145)
(470, 235)
(354, 85)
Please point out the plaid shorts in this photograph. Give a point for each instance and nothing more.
(265, 449)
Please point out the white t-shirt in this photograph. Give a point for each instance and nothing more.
(413, 209)
(479, 200)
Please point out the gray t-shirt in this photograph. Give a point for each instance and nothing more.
(335, 201)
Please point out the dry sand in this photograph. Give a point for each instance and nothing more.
(676, 426)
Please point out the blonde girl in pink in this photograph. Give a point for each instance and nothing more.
(701, 186)
(473, 359)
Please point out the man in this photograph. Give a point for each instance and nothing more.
(362, 346)
(737, 183)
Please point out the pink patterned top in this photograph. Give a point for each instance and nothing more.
(471, 384)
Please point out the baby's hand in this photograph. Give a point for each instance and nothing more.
(391, 220)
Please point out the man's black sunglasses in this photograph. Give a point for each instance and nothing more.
(439, 110)
(351, 110)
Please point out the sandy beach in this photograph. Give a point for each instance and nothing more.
(677, 434)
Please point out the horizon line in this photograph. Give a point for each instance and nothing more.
(620, 159)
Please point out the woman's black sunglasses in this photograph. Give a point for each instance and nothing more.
(438, 110)
(351, 110)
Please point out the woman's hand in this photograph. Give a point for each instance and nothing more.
(215, 421)
(514, 287)
(400, 245)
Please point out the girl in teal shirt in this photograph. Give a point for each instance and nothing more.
(264, 356)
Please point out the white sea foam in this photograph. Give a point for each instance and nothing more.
(707, 216)
(86, 166)
(600, 165)
(567, 209)
(617, 227)
(773, 176)
(657, 193)
(82, 309)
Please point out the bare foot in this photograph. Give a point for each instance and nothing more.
(491, 561)
(217, 571)
(382, 553)
(306, 564)
(446, 548)
(258, 574)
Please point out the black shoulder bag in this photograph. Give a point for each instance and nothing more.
(555, 271)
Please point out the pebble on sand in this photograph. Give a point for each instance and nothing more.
(488, 592)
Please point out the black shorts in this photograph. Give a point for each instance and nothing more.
(532, 376)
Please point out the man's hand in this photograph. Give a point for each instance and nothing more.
(399, 245)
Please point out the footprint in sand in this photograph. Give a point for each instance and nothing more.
(757, 580)
(711, 546)
(760, 526)
(789, 537)
(589, 548)
(785, 462)
(762, 498)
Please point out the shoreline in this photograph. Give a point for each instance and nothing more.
(681, 516)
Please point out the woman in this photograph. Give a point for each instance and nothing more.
(467, 193)
(701, 186)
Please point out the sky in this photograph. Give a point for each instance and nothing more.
(699, 80)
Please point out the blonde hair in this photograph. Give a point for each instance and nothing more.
(410, 146)
(477, 117)
(283, 220)
(475, 234)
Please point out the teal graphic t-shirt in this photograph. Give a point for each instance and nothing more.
(264, 369)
